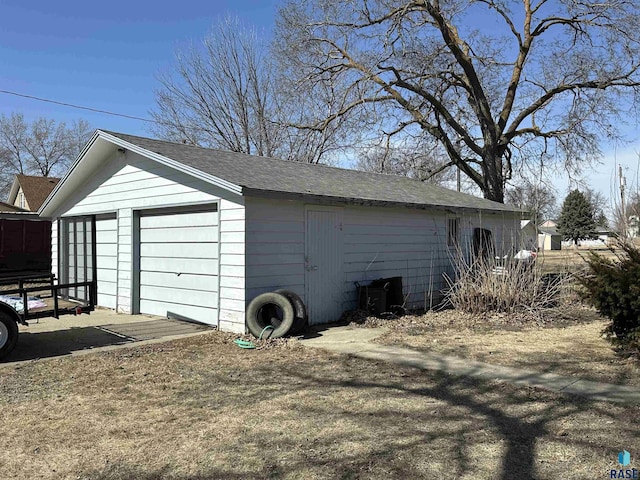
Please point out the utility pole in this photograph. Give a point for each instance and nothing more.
(622, 205)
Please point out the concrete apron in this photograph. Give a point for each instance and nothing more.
(102, 330)
(357, 342)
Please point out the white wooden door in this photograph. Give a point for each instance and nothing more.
(324, 278)
(179, 264)
(107, 259)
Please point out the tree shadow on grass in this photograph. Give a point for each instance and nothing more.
(352, 418)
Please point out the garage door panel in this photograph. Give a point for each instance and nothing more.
(179, 265)
(179, 250)
(180, 296)
(106, 249)
(106, 288)
(185, 280)
(182, 235)
(103, 224)
(106, 236)
(184, 243)
(179, 220)
(108, 275)
(201, 314)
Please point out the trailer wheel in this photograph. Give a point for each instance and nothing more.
(8, 334)
(269, 309)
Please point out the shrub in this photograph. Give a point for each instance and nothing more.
(509, 286)
(612, 286)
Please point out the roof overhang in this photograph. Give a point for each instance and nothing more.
(101, 146)
(334, 200)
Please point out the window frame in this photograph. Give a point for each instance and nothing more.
(453, 231)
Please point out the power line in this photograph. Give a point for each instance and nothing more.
(64, 104)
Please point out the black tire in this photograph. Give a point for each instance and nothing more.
(8, 334)
(270, 309)
(300, 321)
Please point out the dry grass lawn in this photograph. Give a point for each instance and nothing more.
(568, 342)
(202, 408)
(570, 259)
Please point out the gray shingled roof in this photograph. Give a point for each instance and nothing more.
(261, 175)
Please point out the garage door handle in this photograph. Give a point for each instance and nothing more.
(315, 267)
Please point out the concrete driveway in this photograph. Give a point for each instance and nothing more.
(102, 329)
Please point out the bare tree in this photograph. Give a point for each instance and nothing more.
(44, 147)
(226, 93)
(535, 197)
(487, 79)
(410, 159)
(599, 205)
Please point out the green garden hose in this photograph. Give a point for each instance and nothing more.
(250, 345)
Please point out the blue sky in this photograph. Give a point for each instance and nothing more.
(102, 55)
(106, 56)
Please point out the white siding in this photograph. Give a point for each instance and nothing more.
(232, 266)
(412, 244)
(275, 246)
(127, 183)
(377, 243)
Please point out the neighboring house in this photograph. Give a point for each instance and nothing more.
(549, 239)
(605, 234)
(28, 192)
(201, 232)
(11, 208)
(25, 242)
(528, 235)
(549, 224)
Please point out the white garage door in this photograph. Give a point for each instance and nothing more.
(107, 259)
(179, 264)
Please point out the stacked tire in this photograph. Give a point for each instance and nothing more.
(276, 314)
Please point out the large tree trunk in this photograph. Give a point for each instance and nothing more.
(493, 178)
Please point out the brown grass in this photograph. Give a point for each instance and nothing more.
(568, 259)
(568, 341)
(202, 408)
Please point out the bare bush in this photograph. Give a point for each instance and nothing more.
(503, 285)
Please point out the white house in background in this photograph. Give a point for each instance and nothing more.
(201, 232)
(28, 192)
(549, 239)
(528, 235)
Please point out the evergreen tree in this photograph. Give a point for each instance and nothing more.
(576, 220)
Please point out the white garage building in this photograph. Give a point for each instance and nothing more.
(200, 232)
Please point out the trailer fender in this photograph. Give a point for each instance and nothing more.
(11, 312)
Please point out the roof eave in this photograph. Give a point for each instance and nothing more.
(326, 199)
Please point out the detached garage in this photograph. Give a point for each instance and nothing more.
(199, 232)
